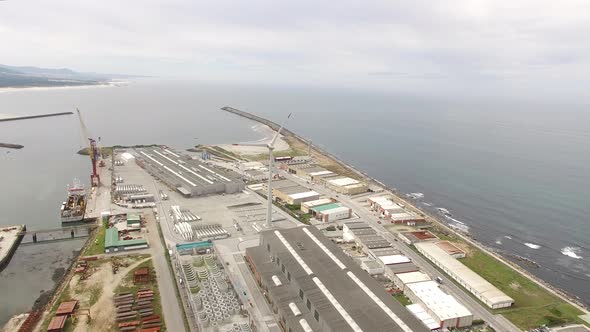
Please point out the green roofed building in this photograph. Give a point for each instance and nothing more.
(112, 243)
(317, 209)
(133, 219)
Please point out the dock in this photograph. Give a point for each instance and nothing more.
(10, 238)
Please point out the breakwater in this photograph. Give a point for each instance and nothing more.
(25, 117)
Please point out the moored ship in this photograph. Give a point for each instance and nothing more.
(74, 208)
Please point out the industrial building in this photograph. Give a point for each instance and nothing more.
(402, 279)
(289, 192)
(334, 214)
(330, 212)
(308, 172)
(255, 175)
(405, 218)
(186, 175)
(313, 286)
(451, 249)
(417, 236)
(346, 185)
(442, 307)
(306, 206)
(112, 242)
(478, 286)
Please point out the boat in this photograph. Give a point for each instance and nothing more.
(74, 208)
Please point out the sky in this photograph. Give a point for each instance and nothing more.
(533, 47)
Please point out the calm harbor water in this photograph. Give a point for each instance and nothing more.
(516, 175)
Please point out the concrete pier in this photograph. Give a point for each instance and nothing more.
(10, 238)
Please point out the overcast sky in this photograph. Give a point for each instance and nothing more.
(466, 46)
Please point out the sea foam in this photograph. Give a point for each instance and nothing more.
(572, 252)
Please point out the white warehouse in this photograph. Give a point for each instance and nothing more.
(478, 286)
(442, 307)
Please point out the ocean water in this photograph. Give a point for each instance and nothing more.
(515, 175)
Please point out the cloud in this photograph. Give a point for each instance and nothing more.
(430, 46)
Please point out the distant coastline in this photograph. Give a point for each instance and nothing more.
(56, 87)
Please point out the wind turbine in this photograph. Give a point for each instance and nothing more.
(270, 146)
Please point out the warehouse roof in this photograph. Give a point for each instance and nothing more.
(283, 184)
(304, 195)
(296, 189)
(356, 225)
(394, 259)
(112, 239)
(336, 210)
(487, 291)
(403, 216)
(317, 202)
(403, 267)
(449, 248)
(325, 207)
(418, 310)
(345, 296)
(443, 305)
(319, 173)
(410, 277)
(344, 181)
(384, 251)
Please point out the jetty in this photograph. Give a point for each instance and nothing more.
(10, 238)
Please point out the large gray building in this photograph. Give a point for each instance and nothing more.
(312, 285)
(188, 176)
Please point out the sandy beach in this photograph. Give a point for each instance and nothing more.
(280, 144)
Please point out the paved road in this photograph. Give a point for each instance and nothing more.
(170, 306)
(498, 322)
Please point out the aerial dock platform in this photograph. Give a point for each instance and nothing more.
(10, 238)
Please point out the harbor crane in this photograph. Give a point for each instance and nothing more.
(93, 151)
(270, 146)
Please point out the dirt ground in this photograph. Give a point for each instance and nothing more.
(95, 294)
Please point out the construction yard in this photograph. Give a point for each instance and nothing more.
(118, 293)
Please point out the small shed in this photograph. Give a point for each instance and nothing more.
(133, 219)
(142, 275)
(57, 324)
(66, 308)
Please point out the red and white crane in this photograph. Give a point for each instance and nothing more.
(93, 151)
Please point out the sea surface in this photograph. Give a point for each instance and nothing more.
(515, 175)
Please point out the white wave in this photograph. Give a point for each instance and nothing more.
(443, 210)
(455, 220)
(499, 242)
(571, 252)
(416, 195)
(427, 204)
(532, 245)
(508, 237)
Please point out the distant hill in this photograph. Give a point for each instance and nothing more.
(26, 76)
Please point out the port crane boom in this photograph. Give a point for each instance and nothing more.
(92, 151)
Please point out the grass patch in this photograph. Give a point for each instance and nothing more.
(533, 304)
(96, 245)
(95, 293)
(404, 300)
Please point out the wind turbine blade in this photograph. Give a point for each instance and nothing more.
(272, 143)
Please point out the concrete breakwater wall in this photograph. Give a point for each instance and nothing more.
(25, 117)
